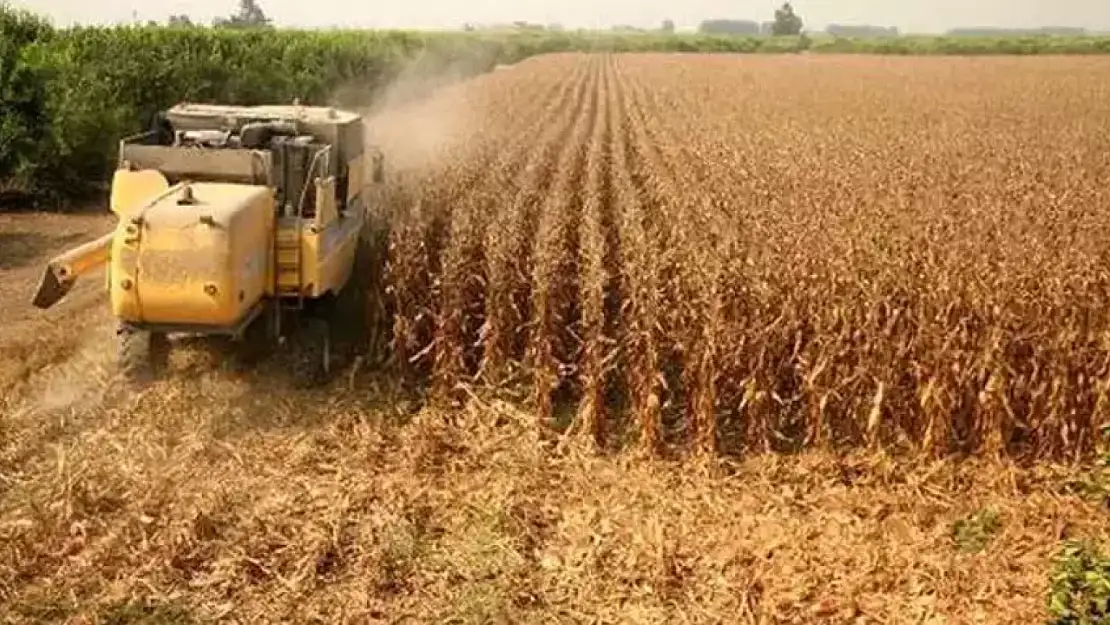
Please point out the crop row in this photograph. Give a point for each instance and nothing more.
(710, 251)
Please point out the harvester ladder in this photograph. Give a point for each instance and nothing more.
(289, 265)
(288, 253)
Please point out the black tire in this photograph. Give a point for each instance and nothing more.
(347, 311)
(141, 354)
(351, 304)
(362, 326)
(313, 359)
(253, 346)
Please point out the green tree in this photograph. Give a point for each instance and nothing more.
(786, 21)
(249, 15)
(668, 26)
(23, 116)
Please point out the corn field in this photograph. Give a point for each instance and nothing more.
(725, 255)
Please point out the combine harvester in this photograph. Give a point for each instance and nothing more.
(242, 222)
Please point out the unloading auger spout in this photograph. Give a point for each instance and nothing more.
(63, 270)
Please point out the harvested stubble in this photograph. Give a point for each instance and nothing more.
(772, 253)
(205, 501)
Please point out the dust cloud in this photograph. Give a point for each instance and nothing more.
(80, 381)
(422, 118)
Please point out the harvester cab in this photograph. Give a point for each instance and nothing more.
(232, 220)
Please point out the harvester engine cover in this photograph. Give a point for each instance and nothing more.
(197, 256)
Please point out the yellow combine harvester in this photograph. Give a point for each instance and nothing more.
(232, 221)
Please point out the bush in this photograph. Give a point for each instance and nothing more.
(963, 46)
(1080, 587)
(22, 99)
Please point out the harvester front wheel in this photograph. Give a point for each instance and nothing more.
(252, 345)
(313, 357)
(140, 353)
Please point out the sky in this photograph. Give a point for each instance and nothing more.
(911, 16)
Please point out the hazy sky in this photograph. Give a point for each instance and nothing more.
(908, 15)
